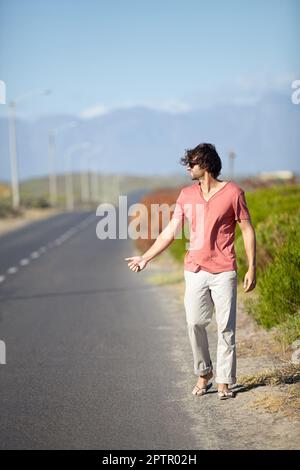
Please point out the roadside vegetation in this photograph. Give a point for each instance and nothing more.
(275, 215)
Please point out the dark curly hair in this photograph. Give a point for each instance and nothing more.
(206, 156)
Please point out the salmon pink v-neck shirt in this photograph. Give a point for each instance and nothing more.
(212, 226)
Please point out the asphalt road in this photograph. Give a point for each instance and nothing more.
(88, 346)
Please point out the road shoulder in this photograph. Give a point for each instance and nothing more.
(10, 224)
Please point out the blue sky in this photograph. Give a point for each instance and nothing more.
(166, 54)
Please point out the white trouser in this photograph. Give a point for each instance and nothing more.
(205, 291)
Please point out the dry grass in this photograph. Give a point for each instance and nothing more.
(5, 191)
(252, 339)
(29, 215)
(166, 278)
(288, 373)
(287, 403)
(283, 394)
(255, 348)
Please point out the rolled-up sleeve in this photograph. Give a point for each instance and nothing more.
(241, 210)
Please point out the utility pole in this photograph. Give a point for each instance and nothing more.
(85, 185)
(95, 185)
(68, 174)
(13, 144)
(94, 175)
(52, 133)
(52, 175)
(13, 156)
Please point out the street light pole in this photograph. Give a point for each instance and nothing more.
(84, 182)
(13, 155)
(94, 181)
(68, 175)
(13, 144)
(52, 175)
(69, 191)
(95, 185)
(51, 153)
(117, 185)
(94, 176)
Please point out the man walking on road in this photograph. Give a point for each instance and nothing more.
(210, 268)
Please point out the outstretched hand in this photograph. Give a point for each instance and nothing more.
(136, 263)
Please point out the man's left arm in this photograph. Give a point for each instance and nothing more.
(250, 248)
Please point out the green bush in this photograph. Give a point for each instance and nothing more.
(177, 248)
(275, 214)
(6, 210)
(279, 270)
(40, 202)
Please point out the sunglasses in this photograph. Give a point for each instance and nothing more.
(192, 164)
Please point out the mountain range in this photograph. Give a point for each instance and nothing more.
(265, 136)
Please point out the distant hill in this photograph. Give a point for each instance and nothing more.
(109, 187)
(265, 137)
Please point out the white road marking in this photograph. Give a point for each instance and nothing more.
(12, 270)
(64, 237)
(24, 262)
(58, 241)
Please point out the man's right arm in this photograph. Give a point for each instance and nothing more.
(164, 239)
